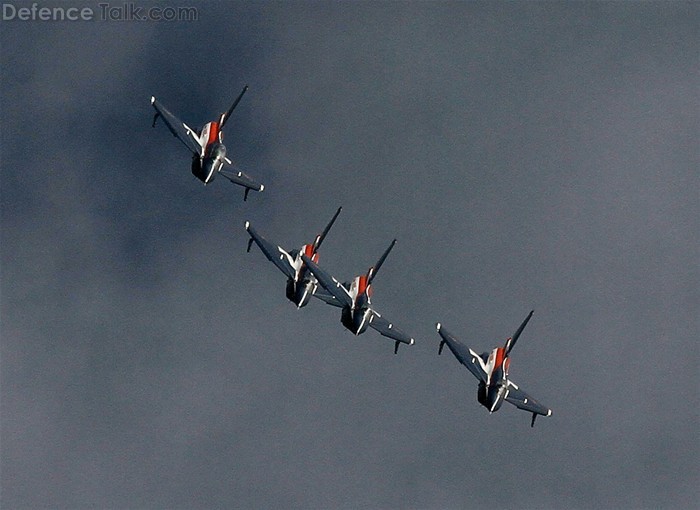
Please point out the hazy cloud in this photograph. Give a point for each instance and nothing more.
(525, 155)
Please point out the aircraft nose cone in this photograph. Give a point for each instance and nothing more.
(302, 294)
(494, 400)
(220, 151)
(360, 321)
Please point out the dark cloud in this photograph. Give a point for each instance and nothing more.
(526, 155)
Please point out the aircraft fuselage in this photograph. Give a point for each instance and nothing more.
(494, 391)
(491, 370)
(303, 285)
(300, 292)
(206, 165)
(356, 317)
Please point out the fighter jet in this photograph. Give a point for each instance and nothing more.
(207, 147)
(354, 299)
(301, 284)
(492, 372)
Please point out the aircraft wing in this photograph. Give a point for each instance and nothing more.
(242, 179)
(466, 356)
(274, 254)
(333, 286)
(522, 400)
(327, 297)
(186, 134)
(387, 329)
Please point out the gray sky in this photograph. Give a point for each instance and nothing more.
(526, 155)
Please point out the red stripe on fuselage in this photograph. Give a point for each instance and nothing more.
(500, 354)
(361, 285)
(213, 133)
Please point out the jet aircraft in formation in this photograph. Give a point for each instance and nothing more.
(491, 369)
(304, 275)
(355, 300)
(207, 146)
(301, 284)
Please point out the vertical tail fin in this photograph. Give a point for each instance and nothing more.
(375, 269)
(322, 236)
(511, 341)
(226, 115)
